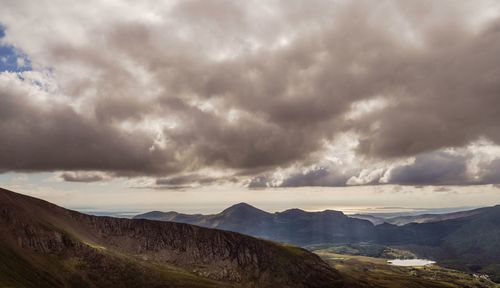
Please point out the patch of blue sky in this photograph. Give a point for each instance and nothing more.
(11, 58)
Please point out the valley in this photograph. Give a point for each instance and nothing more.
(377, 273)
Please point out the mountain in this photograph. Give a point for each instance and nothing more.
(293, 226)
(43, 245)
(426, 218)
(469, 243)
(376, 219)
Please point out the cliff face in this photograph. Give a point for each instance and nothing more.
(99, 251)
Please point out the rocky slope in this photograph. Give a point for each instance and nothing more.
(43, 245)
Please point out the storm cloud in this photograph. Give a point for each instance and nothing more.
(48, 137)
(315, 177)
(491, 172)
(246, 88)
(432, 168)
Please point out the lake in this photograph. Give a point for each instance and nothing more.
(410, 262)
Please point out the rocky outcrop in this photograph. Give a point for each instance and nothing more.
(219, 255)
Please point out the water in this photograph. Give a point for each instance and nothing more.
(411, 262)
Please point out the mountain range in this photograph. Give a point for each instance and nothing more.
(421, 218)
(467, 240)
(293, 226)
(44, 245)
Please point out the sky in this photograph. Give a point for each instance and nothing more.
(195, 105)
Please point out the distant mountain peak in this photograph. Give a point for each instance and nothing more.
(241, 205)
(242, 208)
(333, 212)
(293, 211)
(160, 213)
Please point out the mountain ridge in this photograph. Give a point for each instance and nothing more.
(41, 238)
(244, 218)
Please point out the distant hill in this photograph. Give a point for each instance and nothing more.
(426, 218)
(373, 219)
(291, 226)
(376, 219)
(43, 245)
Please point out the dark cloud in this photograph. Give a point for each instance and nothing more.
(316, 177)
(55, 137)
(432, 168)
(191, 180)
(186, 179)
(443, 96)
(246, 143)
(490, 172)
(259, 182)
